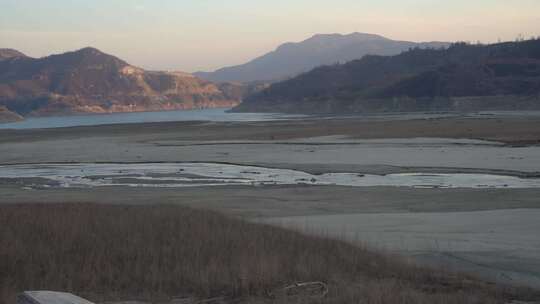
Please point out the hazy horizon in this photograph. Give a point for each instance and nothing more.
(206, 34)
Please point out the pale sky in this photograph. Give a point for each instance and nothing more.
(191, 35)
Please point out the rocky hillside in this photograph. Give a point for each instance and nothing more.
(90, 81)
(504, 76)
(8, 116)
(291, 59)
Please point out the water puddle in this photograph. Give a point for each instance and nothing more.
(176, 175)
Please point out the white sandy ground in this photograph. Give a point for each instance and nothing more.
(499, 244)
(50, 297)
(178, 175)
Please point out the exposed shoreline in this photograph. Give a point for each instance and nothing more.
(495, 144)
(513, 129)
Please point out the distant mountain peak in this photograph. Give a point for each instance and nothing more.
(87, 56)
(322, 39)
(90, 50)
(354, 35)
(293, 58)
(10, 53)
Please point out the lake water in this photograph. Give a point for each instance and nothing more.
(222, 115)
(177, 175)
(140, 117)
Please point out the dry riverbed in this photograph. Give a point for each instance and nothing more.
(443, 227)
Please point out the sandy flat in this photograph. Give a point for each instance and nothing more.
(331, 145)
(500, 244)
(365, 156)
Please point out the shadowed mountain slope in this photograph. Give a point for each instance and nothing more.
(464, 77)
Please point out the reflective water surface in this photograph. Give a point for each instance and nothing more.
(141, 117)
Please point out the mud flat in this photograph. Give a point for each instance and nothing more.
(315, 155)
(490, 231)
(448, 144)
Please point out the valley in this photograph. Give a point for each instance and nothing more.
(207, 152)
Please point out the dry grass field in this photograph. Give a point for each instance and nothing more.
(156, 253)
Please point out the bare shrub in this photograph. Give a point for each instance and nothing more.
(160, 252)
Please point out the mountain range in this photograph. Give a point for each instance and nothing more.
(426, 77)
(291, 59)
(90, 81)
(463, 77)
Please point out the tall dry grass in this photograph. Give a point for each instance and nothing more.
(159, 252)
